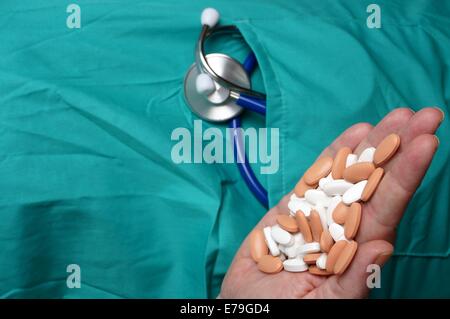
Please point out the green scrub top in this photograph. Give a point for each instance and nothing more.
(87, 116)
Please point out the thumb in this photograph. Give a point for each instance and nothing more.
(353, 283)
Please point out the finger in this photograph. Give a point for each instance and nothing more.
(425, 121)
(353, 283)
(391, 123)
(351, 137)
(385, 209)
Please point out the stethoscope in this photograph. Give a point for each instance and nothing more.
(217, 88)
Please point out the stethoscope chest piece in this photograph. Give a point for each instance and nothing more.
(218, 106)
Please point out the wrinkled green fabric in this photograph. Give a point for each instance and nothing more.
(86, 119)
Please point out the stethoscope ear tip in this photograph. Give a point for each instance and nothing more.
(210, 17)
(204, 84)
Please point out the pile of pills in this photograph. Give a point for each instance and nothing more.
(325, 214)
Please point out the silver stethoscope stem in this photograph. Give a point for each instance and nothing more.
(204, 67)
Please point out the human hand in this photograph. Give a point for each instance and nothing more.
(380, 217)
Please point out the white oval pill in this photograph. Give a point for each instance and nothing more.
(309, 248)
(298, 239)
(337, 187)
(367, 155)
(351, 159)
(325, 180)
(295, 265)
(292, 251)
(297, 204)
(353, 194)
(336, 231)
(321, 262)
(281, 236)
(273, 247)
(333, 203)
(314, 196)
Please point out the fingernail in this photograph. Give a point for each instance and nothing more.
(437, 140)
(383, 258)
(443, 114)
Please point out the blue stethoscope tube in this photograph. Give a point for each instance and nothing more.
(255, 105)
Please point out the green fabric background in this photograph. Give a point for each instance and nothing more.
(86, 118)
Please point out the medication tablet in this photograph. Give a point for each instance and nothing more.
(281, 236)
(352, 221)
(303, 225)
(345, 257)
(319, 272)
(339, 162)
(340, 213)
(372, 184)
(316, 225)
(258, 246)
(310, 259)
(302, 187)
(354, 193)
(336, 187)
(322, 214)
(358, 172)
(320, 169)
(287, 223)
(295, 205)
(309, 248)
(334, 253)
(336, 231)
(351, 159)
(326, 241)
(321, 262)
(315, 196)
(273, 247)
(295, 265)
(270, 264)
(333, 204)
(386, 149)
(292, 251)
(367, 155)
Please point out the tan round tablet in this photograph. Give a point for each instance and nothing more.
(339, 162)
(316, 225)
(358, 172)
(345, 257)
(270, 264)
(352, 221)
(340, 213)
(303, 225)
(311, 259)
(334, 253)
(318, 170)
(287, 223)
(372, 184)
(258, 246)
(326, 241)
(320, 272)
(386, 149)
(302, 187)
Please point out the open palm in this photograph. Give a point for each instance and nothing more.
(380, 217)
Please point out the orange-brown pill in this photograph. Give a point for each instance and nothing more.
(345, 257)
(320, 272)
(386, 149)
(334, 253)
(358, 172)
(287, 223)
(302, 187)
(311, 259)
(339, 162)
(372, 184)
(352, 221)
(318, 170)
(326, 241)
(340, 213)
(303, 225)
(258, 246)
(316, 225)
(270, 264)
